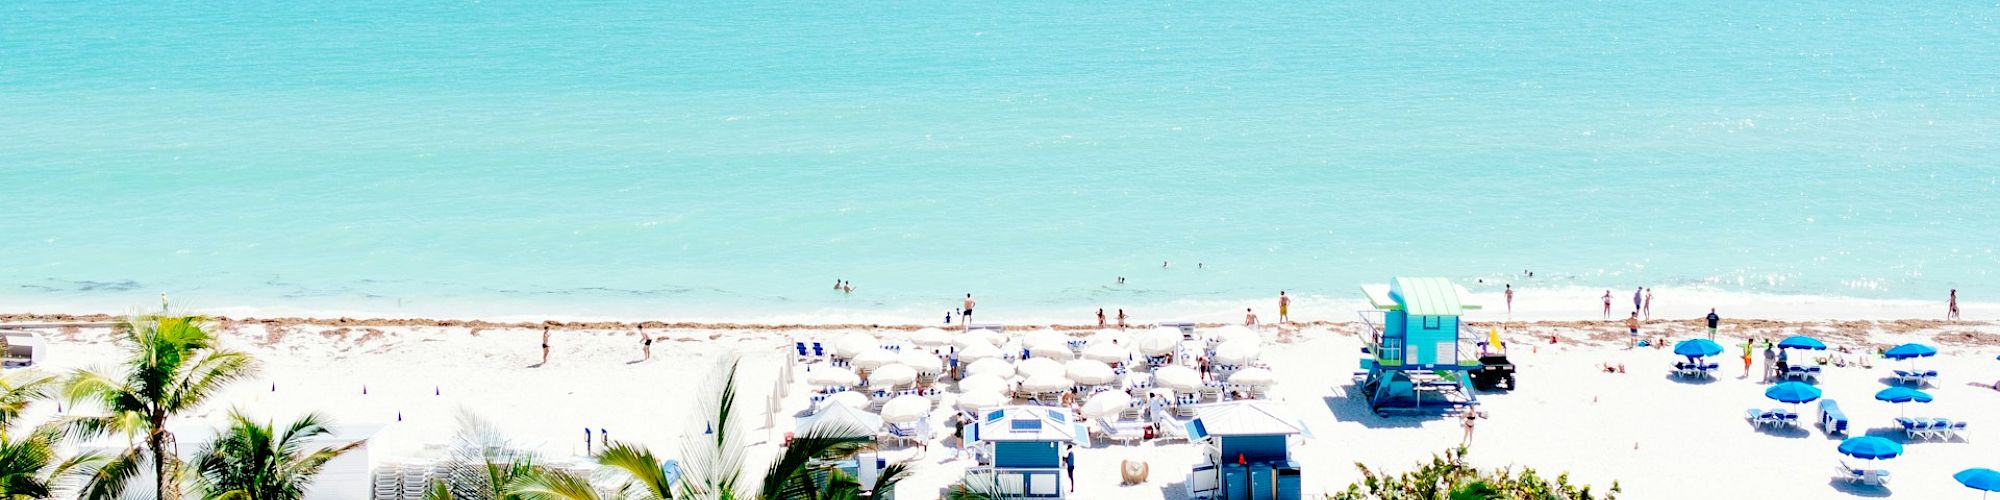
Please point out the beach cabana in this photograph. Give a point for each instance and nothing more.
(1247, 449)
(1025, 445)
(1413, 350)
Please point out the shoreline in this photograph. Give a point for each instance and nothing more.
(1975, 333)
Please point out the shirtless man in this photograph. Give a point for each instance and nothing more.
(965, 317)
(1249, 317)
(1607, 304)
(1284, 307)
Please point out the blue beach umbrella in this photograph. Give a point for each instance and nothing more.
(1698, 348)
(1792, 392)
(1801, 342)
(1981, 479)
(1909, 351)
(1900, 395)
(1870, 448)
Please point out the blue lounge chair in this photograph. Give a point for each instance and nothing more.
(802, 350)
(818, 351)
(1875, 477)
(1831, 419)
(1760, 418)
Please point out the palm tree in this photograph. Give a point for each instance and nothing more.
(484, 465)
(173, 368)
(28, 464)
(256, 461)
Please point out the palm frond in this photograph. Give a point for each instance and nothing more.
(552, 484)
(108, 481)
(646, 473)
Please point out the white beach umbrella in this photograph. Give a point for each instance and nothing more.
(1055, 352)
(892, 375)
(979, 400)
(1109, 335)
(1038, 366)
(990, 366)
(872, 358)
(853, 399)
(1234, 333)
(930, 337)
(968, 339)
(1236, 352)
(1045, 383)
(982, 383)
(906, 408)
(1105, 352)
(853, 344)
(1179, 378)
(1044, 338)
(1087, 372)
(831, 375)
(978, 351)
(1253, 376)
(1107, 403)
(921, 360)
(1157, 341)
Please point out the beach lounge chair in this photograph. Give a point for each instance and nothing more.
(1909, 377)
(1787, 418)
(802, 351)
(1831, 419)
(818, 350)
(1121, 431)
(1760, 417)
(1875, 477)
(900, 433)
(1915, 428)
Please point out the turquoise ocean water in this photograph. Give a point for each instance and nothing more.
(731, 160)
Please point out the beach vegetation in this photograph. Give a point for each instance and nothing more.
(250, 460)
(1449, 477)
(173, 367)
(29, 465)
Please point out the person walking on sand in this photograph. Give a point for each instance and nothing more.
(1649, 305)
(1607, 304)
(1951, 306)
(645, 344)
(1714, 320)
(1100, 317)
(965, 318)
(1249, 317)
(1467, 420)
(1284, 307)
(1632, 326)
(1770, 360)
(545, 344)
(1749, 346)
(1510, 301)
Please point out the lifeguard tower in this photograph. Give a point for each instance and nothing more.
(1246, 452)
(1025, 444)
(1413, 350)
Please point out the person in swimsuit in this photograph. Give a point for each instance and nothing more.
(1632, 324)
(1648, 309)
(1100, 317)
(645, 343)
(545, 344)
(1510, 301)
(1951, 307)
(1121, 319)
(1249, 317)
(1284, 307)
(966, 317)
(1607, 304)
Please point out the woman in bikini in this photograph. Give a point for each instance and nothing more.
(545, 344)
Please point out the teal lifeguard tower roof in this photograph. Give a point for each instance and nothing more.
(1418, 297)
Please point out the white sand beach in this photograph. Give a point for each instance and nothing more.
(1655, 435)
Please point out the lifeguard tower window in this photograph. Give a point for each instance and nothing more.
(1026, 425)
(1433, 322)
(1392, 349)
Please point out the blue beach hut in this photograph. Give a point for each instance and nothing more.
(1414, 349)
(1248, 452)
(1026, 445)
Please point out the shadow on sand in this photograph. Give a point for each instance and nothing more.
(1857, 489)
(1348, 408)
(1675, 377)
